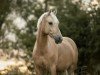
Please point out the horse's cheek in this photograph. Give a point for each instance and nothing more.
(47, 29)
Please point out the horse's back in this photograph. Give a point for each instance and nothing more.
(68, 54)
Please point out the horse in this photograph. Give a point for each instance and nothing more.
(52, 52)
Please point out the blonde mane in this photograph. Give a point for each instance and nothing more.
(40, 19)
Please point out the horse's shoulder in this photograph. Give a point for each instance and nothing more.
(72, 43)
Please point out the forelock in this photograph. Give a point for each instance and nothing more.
(42, 16)
(54, 17)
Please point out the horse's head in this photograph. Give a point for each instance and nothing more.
(49, 24)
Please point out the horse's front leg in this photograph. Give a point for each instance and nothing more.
(71, 71)
(53, 70)
(62, 73)
(38, 70)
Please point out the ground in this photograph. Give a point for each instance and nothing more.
(16, 62)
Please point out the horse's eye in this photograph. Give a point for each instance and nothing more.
(50, 23)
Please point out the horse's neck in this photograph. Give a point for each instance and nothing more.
(41, 40)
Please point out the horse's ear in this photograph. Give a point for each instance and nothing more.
(49, 12)
(55, 11)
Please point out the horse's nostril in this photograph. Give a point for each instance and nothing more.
(58, 38)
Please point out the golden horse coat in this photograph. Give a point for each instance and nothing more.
(52, 52)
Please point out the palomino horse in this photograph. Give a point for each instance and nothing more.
(53, 52)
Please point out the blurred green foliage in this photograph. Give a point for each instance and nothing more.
(83, 26)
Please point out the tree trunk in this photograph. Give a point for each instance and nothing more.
(46, 5)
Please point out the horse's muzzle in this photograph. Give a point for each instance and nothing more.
(58, 39)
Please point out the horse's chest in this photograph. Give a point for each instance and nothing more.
(42, 62)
